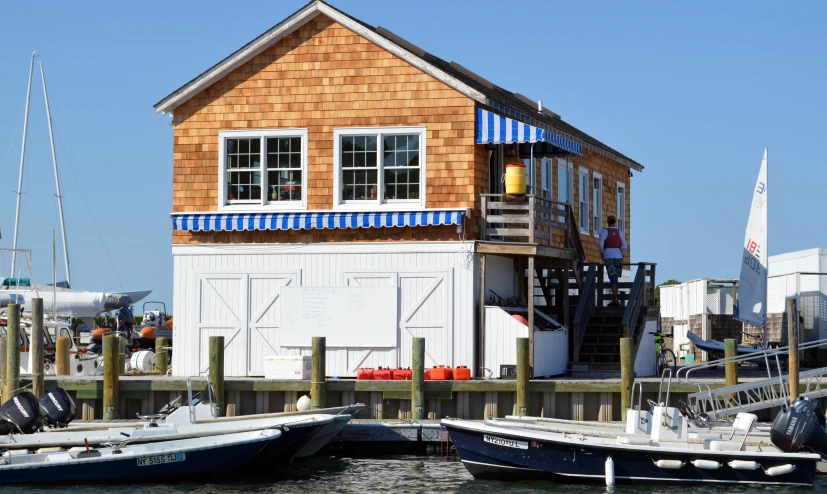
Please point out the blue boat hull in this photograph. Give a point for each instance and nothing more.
(125, 469)
(283, 450)
(573, 463)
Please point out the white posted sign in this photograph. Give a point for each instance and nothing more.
(347, 316)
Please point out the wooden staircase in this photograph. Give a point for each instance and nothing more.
(597, 328)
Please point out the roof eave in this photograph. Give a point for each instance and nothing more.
(285, 28)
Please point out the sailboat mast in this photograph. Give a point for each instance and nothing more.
(57, 177)
(22, 160)
(766, 245)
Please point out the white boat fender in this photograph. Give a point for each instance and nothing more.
(744, 465)
(779, 470)
(707, 464)
(610, 471)
(669, 464)
(303, 404)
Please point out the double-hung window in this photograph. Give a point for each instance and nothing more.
(621, 206)
(565, 184)
(545, 182)
(379, 167)
(597, 203)
(583, 200)
(263, 168)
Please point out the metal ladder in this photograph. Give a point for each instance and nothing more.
(758, 395)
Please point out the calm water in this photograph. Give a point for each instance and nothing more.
(397, 474)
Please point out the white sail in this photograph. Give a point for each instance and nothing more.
(752, 292)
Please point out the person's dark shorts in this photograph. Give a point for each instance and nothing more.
(614, 267)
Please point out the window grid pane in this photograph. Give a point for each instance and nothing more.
(400, 159)
(360, 170)
(284, 173)
(243, 163)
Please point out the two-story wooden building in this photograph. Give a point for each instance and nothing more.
(328, 154)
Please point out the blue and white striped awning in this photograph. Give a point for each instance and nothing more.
(219, 222)
(496, 129)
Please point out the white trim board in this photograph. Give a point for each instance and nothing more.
(327, 248)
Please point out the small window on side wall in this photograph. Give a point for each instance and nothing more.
(263, 168)
(380, 167)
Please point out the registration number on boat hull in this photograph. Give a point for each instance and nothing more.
(508, 443)
(149, 461)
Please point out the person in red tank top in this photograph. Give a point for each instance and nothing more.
(613, 248)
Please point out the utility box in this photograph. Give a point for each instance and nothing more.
(287, 368)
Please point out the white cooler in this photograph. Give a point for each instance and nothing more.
(293, 367)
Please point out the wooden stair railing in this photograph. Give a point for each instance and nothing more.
(637, 300)
(585, 308)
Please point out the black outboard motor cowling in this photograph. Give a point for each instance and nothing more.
(798, 426)
(21, 414)
(57, 408)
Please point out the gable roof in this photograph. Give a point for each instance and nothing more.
(452, 74)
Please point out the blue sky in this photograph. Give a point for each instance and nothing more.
(694, 91)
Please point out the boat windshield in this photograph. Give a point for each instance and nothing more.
(16, 282)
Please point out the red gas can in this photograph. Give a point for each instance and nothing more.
(383, 374)
(441, 373)
(427, 374)
(366, 373)
(462, 373)
(402, 375)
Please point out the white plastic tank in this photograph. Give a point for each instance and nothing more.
(143, 361)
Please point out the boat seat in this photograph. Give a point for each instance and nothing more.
(634, 440)
(725, 446)
(703, 436)
(743, 422)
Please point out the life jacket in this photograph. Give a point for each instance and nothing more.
(612, 239)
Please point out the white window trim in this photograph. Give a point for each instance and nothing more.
(379, 203)
(583, 171)
(568, 168)
(264, 204)
(595, 211)
(621, 205)
(547, 172)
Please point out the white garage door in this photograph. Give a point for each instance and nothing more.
(244, 309)
(425, 310)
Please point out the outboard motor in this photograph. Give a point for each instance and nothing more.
(20, 414)
(124, 320)
(57, 408)
(800, 425)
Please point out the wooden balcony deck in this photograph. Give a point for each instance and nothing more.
(524, 226)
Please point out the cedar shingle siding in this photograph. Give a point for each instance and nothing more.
(321, 77)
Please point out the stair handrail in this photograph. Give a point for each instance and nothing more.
(633, 305)
(584, 308)
(573, 235)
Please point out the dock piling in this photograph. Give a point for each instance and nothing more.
(792, 341)
(111, 349)
(36, 348)
(731, 351)
(418, 379)
(217, 372)
(12, 351)
(62, 356)
(318, 393)
(627, 374)
(522, 376)
(161, 355)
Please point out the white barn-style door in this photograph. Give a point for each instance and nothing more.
(264, 315)
(425, 310)
(222, 311)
